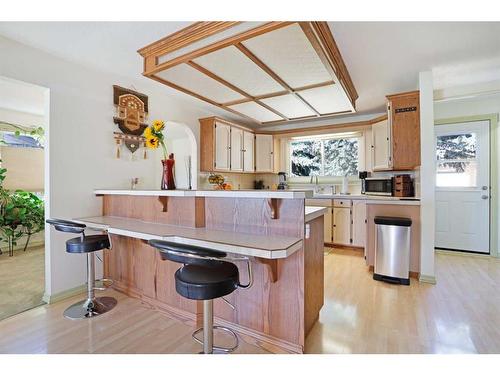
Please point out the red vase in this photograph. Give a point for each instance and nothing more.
(168, 179)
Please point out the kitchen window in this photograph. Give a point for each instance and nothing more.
(335, 155)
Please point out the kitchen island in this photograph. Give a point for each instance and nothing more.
(283, 238)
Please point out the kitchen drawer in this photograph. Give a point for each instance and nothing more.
(322, 202)
(342, 203)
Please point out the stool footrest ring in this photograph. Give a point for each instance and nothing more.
(219, 348)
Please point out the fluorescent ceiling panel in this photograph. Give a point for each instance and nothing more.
(189, 78)
(289, 105)
(233, 66)
(288, 53)
(239, 28)
(327, 99)
(256, 111)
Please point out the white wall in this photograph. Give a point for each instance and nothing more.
(80, 143)
(480, 105)
(427, 177)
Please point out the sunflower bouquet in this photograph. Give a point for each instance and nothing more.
(154, 137)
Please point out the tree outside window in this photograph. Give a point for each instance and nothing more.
(335, 157)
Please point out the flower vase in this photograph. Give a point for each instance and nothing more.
(168, 179)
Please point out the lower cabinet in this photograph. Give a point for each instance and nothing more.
(328, 232)
(345, 221)
(342, 226)
(328, 218)
(358, 223)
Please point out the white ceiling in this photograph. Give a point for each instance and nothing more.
(382, 57)
(386, 57)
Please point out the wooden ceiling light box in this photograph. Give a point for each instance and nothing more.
(266, 72)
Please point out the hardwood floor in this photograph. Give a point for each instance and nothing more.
(131, 327)
(461, 314)
(22, 281)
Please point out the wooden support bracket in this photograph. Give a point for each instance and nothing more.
(164, 202)
(273, 205)
(272, 267)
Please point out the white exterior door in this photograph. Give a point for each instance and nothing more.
(248, 152)
(236, 149)
(264, 153)
(342, 226)
(381, 146)
(463, 186)
(222, 147)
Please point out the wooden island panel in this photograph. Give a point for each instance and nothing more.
(275, 314)
(183, 211)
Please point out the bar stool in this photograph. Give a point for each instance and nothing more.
(92, 306)
(205, 275)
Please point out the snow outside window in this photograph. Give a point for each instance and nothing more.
(332, 157)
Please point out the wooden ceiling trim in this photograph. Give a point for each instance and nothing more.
(323, 128)
(201, 97)
(248, 97)
(268, 27)
(263, 66)
(318, 34)
(272, 109)
(314, 85)
(219, 79)
(185, 36)
(324, 35)
(276, 77)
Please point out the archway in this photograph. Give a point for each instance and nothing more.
(181, 141)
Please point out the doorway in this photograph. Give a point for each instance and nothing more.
(23, 122)
(463, 186)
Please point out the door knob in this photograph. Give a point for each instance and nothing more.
(484, 197)
(485, 188)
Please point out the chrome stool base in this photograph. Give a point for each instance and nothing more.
(90, 308)
(219, 348)
(208, 331)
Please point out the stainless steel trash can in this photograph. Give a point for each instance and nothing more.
(392, 249)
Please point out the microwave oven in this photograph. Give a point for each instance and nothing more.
(377, 186)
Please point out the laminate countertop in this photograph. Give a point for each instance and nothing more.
(278, 194)
(372, 199)
(269, 247)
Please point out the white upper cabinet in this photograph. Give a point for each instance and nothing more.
(236, 149)
(381, 146)
(248, 151)
(264, 155)
(222, 147)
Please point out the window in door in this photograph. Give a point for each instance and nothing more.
(456, 158)
(329, 156)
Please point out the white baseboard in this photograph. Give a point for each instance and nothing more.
(427, 279)
(52, 298)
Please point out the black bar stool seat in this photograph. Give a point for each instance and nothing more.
(92, 306)
(206, 282)
(87, 244)
(205, 274)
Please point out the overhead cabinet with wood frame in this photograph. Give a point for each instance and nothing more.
(229, 147)
(396, 139)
